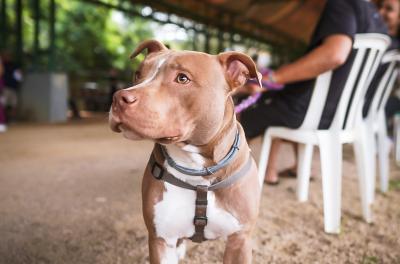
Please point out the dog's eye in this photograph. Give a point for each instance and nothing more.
(182, 78)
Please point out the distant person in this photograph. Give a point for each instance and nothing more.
(12, 78)
(330, 49)
(3, 126)
(390, 12)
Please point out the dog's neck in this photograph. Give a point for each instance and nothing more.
(197, 157)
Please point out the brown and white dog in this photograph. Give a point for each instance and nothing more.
(182, 101)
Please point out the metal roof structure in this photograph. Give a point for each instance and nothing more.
(287, 22)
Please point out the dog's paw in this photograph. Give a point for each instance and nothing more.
(181, 250)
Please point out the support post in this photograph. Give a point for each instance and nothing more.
(3, 24)
(207, 42)
(194, 40)
(52, 34)
(19, 36)
(36, 31)
(231, 34)
(220, 40)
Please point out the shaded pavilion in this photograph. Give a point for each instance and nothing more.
(286, 23)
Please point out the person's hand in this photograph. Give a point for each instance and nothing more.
(249, 88)
(269, 81)
(255, 88)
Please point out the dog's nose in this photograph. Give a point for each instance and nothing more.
(127, 97)
(124, 98)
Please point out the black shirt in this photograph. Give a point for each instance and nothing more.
(9, 71)
(347, 17)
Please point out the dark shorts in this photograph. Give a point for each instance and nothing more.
(392, 106)
(269, 111)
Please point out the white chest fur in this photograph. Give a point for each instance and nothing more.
(175, 212)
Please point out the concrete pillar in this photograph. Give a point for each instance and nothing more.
(44, 97)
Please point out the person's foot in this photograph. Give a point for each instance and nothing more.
(291, 172)
(271, 178)
(3, 128)
(288, 173)
(275, 182)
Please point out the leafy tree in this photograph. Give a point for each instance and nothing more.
(89, 38)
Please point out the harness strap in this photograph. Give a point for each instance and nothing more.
(200, 214)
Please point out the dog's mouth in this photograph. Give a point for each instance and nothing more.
(168, 140)
(114, 122)
(115, 126)
(131, 133)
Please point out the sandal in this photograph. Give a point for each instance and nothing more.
(288, 173)
(273, 183)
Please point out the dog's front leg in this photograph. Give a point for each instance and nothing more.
(238, 248)
(161, 252)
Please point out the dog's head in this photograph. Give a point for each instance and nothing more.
(178, 95)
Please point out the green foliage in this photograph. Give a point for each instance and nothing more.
(370, 260)
(89, 38)
(394, 185)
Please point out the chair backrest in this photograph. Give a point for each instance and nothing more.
(370, 49)
(391, 59)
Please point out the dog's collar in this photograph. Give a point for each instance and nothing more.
(160, 173)
(206, 170)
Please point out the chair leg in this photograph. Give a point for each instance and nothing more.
(371, 144)
(331, 168)
(368, 140)
(264, 156)
(305, 153)
(383, 154)
(366, 179)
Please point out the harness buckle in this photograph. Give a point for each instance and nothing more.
(157, 171)
(200, 220)
(201, 202)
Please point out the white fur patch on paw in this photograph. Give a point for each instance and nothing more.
(170, 256)
(181, 250)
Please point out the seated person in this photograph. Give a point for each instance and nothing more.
(330, 49)
(390, 12)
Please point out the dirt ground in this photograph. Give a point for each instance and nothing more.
(71, 194)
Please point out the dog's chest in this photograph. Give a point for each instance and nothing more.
(173, 215)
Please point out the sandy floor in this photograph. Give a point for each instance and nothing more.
(71, 194)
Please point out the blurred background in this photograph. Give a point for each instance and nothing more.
(70, 189)
(69, 57)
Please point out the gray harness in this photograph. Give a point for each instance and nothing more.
(200, 218)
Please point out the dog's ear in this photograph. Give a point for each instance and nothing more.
(238, 68)
(151, 46)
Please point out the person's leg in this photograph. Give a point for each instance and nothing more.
(391, 108)
(259, 117)
(3, 126)
(291, 171)
(255, 121)
(10, 106)
(271, 175)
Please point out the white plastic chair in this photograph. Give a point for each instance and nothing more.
(370, 48)
(374, 124)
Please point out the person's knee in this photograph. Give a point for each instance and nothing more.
(250, 130)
